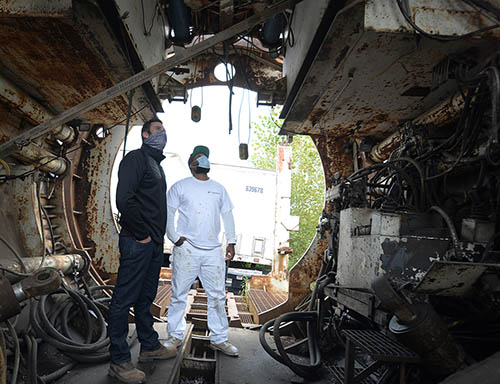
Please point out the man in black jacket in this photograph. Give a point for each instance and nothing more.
(141, 200)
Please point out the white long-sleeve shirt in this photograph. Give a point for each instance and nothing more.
(201, 204)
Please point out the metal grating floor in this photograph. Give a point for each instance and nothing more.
(381, 347)
(246, 318)
(264, 301)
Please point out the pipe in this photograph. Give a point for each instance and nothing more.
(438, 116)
(64, 263)
(64, 133)
(47, 161)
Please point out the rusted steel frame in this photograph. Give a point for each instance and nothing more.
(15, 97)
(142, 77)
(438, 116)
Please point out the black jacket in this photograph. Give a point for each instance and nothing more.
(141, 194)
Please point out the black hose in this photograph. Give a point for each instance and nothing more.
(449, 223)
(17, 352)
(303, 370)
(57, 374)
(45, 326)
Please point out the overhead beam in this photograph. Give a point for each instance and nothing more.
(142, 77)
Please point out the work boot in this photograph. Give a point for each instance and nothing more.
(226, 348)
(174, 341)
(163, 352)
(126, 373)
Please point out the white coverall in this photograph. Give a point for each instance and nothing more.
(200, 205)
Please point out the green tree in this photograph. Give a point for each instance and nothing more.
(308, 184)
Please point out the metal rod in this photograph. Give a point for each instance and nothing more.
(142, 77)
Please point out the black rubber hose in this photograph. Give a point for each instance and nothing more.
(65, 342)
(265, 345)
(304, 370)
(57, 374)
(59, 341)
(17, 352)
(34, 360)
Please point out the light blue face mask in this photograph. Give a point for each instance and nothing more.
(203, 162)
(157, 140)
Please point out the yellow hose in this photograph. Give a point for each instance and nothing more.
(6, 167)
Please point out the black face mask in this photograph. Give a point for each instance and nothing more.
(202, 170)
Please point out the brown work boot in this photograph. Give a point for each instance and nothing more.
(226, 348)
(163, 352)
(126, 373)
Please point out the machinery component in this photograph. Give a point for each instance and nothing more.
(40, 283)
(381, 348)
(372, 243)
(243, 149)
(9, 305)
(419, 327)
(438, 116)
(272, 31)
(63, 263)
(47, 161)
(429, 337)
(64, 133)
(196, 113)
(179, 19)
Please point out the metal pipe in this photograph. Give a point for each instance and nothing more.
(64, 133)
(64, 263)
(438, 116)
(48, 162)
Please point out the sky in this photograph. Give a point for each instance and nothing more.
(213, 128)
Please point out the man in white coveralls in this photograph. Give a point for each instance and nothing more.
(201, 203)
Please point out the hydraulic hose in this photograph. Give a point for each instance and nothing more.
(17, 352)
(303, 370)
(53, 328)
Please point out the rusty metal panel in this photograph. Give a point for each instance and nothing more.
(97, 220)
(366, 81)
(438, 17)
(373, 243)
(38, 8)
(144, 26)
(306, 19)
(450, 278)
(64, 61)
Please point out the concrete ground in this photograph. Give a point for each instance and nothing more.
(254, 366)
(157, 372)
(484, 372)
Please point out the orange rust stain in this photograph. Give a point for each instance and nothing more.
(50, 54)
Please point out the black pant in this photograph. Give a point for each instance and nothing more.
(136, 287)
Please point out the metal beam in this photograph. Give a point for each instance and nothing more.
(142, 77)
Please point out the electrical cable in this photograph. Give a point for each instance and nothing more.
(17, 352)
(14, 252)
(404, 8)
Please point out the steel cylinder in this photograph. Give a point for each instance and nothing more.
(47, 161)
(64, 133)
(428, 336)
(63, 263)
